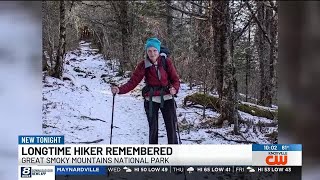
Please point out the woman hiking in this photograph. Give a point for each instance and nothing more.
(162, 83)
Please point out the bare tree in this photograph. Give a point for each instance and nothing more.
(50, 17)
(248, 60)
(169, 25)
(121, 8)
(62, 42)
(223, 55)
(216, 23)
(272, 59)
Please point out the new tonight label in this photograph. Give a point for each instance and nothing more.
(41, 140)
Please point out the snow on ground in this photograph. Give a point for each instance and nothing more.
(80, 107)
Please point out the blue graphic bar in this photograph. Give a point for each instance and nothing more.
(41, 139)
(276, 147)
(81, 170)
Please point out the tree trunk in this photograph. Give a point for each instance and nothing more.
(44, 62)
(228, 105)
(201, 31)
(234, 93)
(216, 25)
(262, 54)
(169, 27)
(269, 58)
(62, 42)
(204, 92)
(272, 80)
(125, 36)
(52, 58)
(214, 103)
(201, 37)
(248, 55)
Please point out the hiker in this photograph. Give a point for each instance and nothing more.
(162, 82)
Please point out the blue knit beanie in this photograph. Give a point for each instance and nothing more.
(153, 42)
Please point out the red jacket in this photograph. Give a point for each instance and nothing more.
(139, 74)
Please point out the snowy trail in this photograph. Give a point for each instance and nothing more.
(80, 107)
(82, 112)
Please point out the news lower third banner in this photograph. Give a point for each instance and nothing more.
(43, 157)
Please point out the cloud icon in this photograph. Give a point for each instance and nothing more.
(251, 169)
(128, 170)
(190, 169)
(125, 168)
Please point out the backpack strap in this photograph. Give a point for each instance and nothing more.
(165, 65)
(151, 90)
(164, 62)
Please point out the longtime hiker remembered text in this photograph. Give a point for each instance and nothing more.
(93, 150)
(96, 155)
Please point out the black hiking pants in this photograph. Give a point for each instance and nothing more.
(169, 116)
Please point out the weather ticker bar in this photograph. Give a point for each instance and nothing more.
(194, 172)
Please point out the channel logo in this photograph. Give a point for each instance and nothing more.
(277, 160)
(25, 172)
(36, 172)
(277, 155)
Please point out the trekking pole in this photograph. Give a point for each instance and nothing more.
(112, 117)
(176, 123)
(176, 118)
